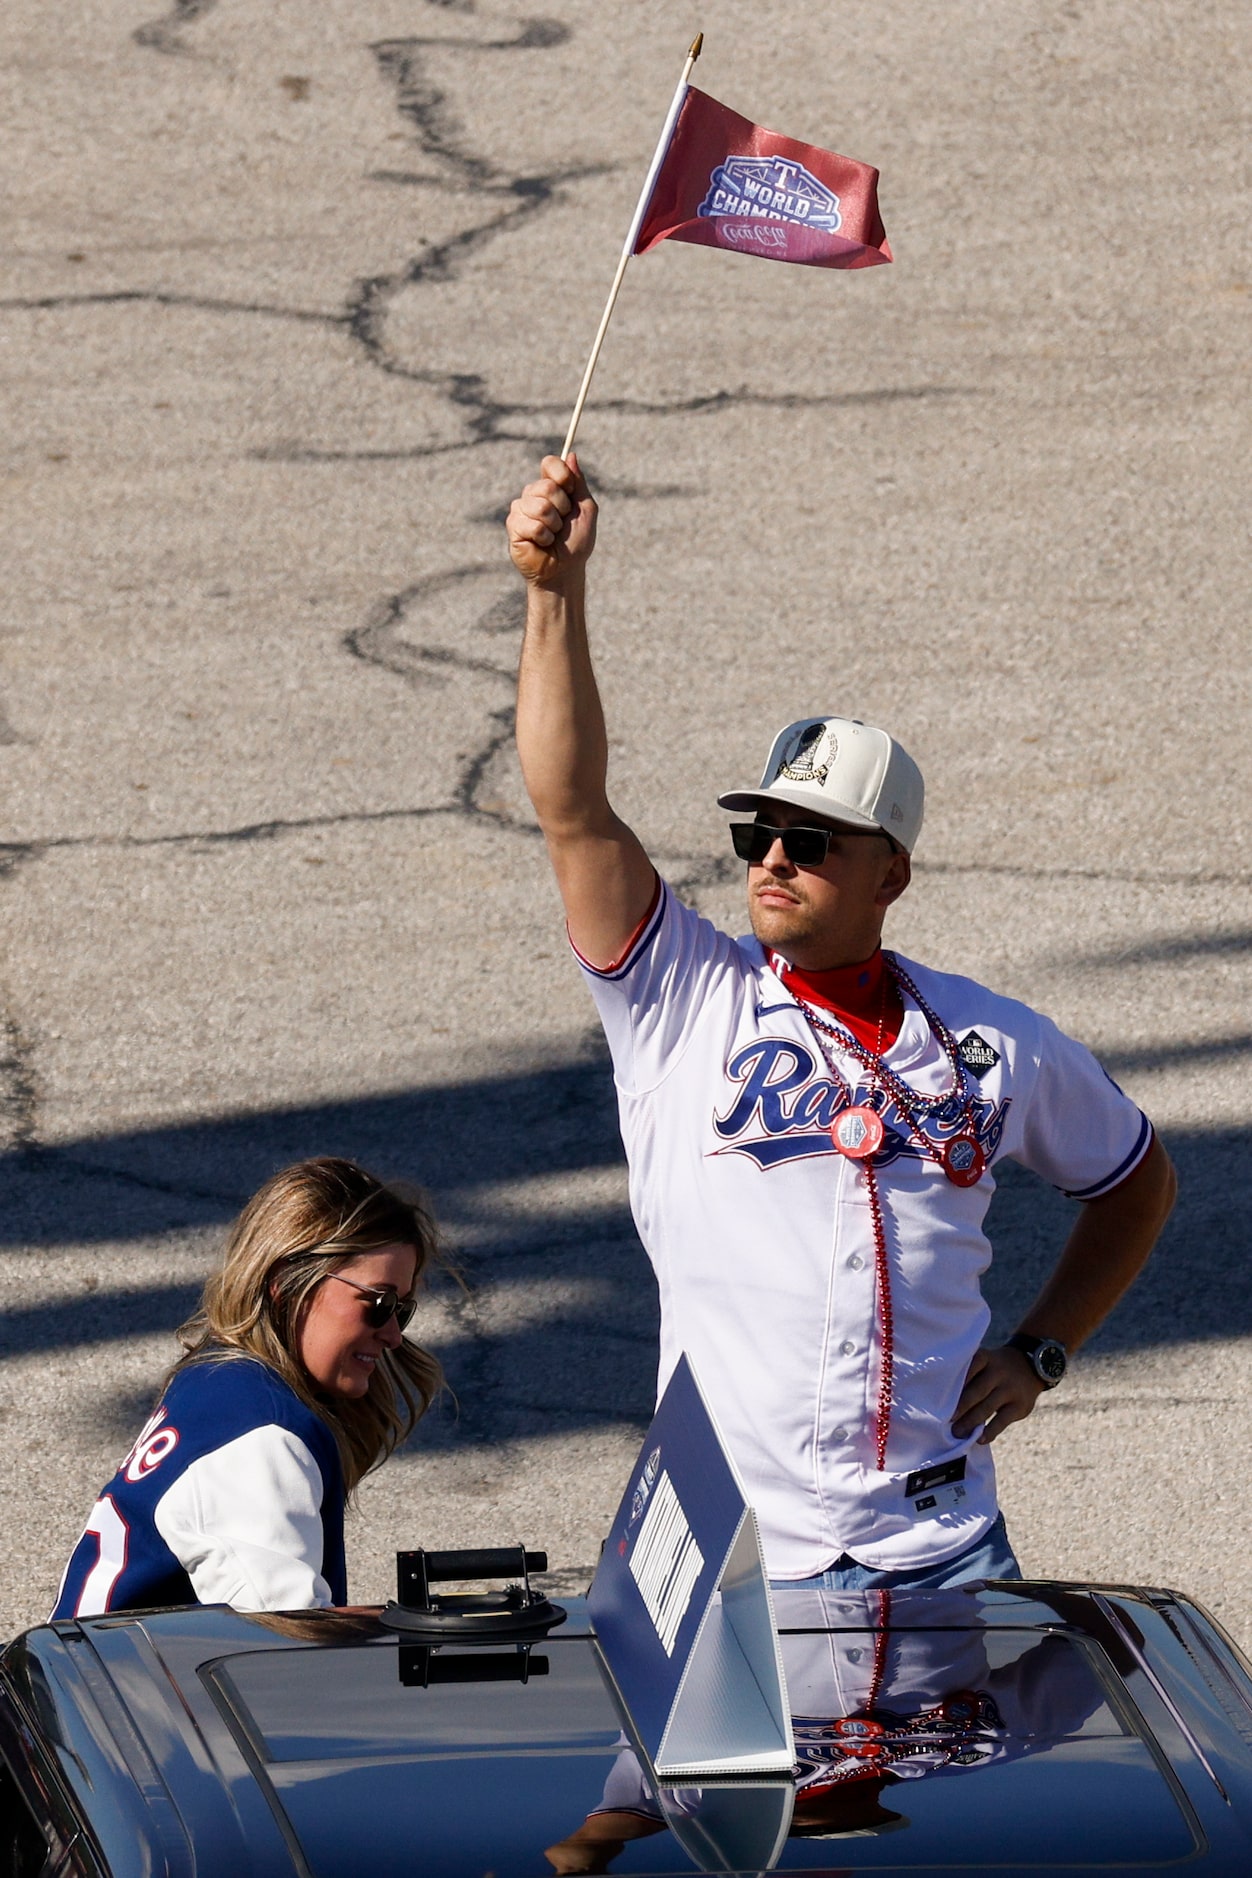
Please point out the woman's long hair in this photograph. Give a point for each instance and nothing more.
(304, 1223)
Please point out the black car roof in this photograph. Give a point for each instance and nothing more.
(1037, 1728)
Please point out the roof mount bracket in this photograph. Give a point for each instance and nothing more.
(465, 1616)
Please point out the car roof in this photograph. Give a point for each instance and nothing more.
(1040, 1727)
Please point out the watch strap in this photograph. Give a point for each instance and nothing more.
(1032, 1347)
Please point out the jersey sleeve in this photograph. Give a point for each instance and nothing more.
(245, 1523)
(651, 999)
(1080, 1131)
(626, 1790)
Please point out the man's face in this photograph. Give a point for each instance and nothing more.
(818, 917)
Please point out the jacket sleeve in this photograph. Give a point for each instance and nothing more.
(245, 1523)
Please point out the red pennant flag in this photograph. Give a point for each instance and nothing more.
(722, 182)
(728, 183)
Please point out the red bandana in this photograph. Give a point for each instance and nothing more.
(854, 993)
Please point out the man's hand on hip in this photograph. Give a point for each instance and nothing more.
(1000, 1387)
(552, 525)
(1107, 1245)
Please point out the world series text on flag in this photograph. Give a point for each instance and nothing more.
(728, 183)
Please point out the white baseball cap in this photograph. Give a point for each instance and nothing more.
(845, 771)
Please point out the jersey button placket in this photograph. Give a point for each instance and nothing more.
(851, 1327)
(841, 1388)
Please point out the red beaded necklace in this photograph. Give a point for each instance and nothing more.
(859, 1735)
(908, 1100)
(862, 1133)
(850, 993)
(858, 1130)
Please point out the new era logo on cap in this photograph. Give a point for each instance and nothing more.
(845, 771)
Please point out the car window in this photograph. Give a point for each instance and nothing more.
(23, 1848)
(278, 1698)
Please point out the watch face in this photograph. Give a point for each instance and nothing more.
(1050, 1359)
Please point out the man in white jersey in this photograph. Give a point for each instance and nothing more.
(812, 1124)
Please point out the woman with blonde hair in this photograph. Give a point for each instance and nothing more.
(295, 1382)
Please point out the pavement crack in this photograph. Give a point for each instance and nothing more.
(216, 837)
(686, 873)
(381, 641)
(18, 1088)
(474, 773)
(1124, 876)
(1113, 1405)
(157, 296)
(705, 403)
(493, 421)
(442, 261)
(440, 134)
(166, 34)
(426, 105)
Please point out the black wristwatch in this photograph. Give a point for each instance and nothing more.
(1046, 1356)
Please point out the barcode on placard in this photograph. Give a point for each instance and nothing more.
(666, 1562)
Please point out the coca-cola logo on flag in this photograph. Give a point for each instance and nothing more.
(772, 187)
(764, 235)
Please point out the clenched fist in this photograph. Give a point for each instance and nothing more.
(552, 525)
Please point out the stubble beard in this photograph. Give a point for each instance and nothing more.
(780, 927)
(819, 937)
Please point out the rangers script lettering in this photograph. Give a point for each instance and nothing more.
(785, 1109)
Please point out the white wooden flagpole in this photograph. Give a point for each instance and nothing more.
(628, 246)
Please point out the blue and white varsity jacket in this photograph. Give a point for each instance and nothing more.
(233, 1494)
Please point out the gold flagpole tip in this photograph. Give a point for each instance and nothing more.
(696, 44)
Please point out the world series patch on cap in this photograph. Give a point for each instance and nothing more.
(844, 771)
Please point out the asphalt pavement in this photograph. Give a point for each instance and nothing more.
(292, 299)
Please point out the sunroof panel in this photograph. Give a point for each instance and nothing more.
(949, 1749)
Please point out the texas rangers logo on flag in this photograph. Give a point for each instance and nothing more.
(726, 182)
(770, 186)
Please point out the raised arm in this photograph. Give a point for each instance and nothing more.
(605, 878)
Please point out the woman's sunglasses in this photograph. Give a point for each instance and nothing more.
(804, 847)
(384, 1303)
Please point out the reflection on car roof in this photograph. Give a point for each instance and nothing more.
(993, 1725)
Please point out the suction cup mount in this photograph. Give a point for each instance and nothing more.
(517, 1612)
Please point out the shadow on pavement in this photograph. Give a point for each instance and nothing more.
(587, 1355)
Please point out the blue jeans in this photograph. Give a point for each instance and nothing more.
(989, 1557)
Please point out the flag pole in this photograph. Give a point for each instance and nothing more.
(628, 246)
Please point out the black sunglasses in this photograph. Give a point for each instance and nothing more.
(805, 847)
(384, 1303)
